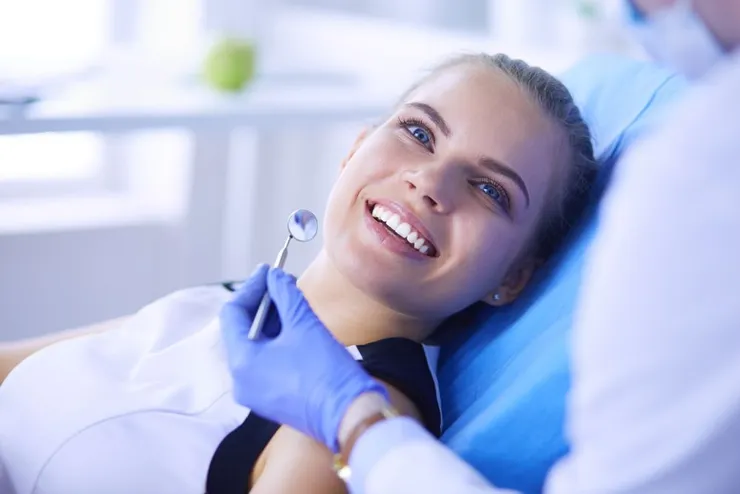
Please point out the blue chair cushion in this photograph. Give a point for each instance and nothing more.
(504, 372)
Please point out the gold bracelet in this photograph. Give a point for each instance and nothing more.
(341, 459)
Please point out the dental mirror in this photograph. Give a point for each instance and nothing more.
(302, 226)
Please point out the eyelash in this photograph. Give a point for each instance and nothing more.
(407, 122)
(505, 201)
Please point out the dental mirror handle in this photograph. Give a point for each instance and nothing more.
(261, 316)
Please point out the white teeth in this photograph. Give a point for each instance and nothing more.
(381, 213)
(403, 230)
(393, 221)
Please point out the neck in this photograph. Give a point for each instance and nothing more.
(353, 317)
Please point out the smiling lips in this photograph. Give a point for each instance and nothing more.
(402, 229)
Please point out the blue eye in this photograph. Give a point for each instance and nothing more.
(418, 131)
(420, 134)
(496, 193)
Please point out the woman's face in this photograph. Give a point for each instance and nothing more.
(432, 210)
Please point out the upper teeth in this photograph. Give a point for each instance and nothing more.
(403, 230)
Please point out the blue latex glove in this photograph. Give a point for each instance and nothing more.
(300, 375)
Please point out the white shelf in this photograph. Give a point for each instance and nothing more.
(372, 64)
(111, 108)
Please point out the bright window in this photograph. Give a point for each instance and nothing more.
(49, 37)
(41, 40)
(48, 42)
(47, 157)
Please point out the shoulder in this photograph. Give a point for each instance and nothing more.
(702, 126)
(410, 368)
(693, 148)
(179, 313)
(206, 297)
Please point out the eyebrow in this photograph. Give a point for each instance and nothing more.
(498, 167)
(434, 116)
(484, 161)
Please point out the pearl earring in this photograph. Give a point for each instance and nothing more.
(497, 296)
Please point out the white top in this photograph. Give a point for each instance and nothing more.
(138, 409)
(655, 405)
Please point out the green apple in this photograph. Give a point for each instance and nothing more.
(230, 64)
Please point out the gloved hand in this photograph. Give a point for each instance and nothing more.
(300, 375)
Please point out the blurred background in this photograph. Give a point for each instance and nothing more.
(125, 174)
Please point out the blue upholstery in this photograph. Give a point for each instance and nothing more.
(504, 372)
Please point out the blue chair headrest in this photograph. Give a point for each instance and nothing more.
(504, 372)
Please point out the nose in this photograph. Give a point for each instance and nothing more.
(431, 186)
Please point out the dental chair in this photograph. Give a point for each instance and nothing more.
(503, 372)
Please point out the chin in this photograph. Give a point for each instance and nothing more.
(387, 286)
(371, 277)
(390, 278)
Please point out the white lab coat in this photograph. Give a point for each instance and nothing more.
(655, 405)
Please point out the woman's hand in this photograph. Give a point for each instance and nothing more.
(300, 376)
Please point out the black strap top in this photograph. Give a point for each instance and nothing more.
(397, 361)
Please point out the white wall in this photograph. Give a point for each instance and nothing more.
(53, 281)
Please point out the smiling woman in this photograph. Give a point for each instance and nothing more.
(487, 155)
(453, 199)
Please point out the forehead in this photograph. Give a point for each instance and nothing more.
(490, 114)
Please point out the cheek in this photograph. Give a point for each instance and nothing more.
(372, 164)
(377, 160)
(485, 251)
(478, 265)
(378, 157)
(340, 198)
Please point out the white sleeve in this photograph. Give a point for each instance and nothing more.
(655, 405)
(398, 457)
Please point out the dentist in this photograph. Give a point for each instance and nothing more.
(655, 404)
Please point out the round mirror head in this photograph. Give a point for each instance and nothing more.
(303, 225)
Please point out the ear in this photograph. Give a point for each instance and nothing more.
(514, 283)
(358, 142)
